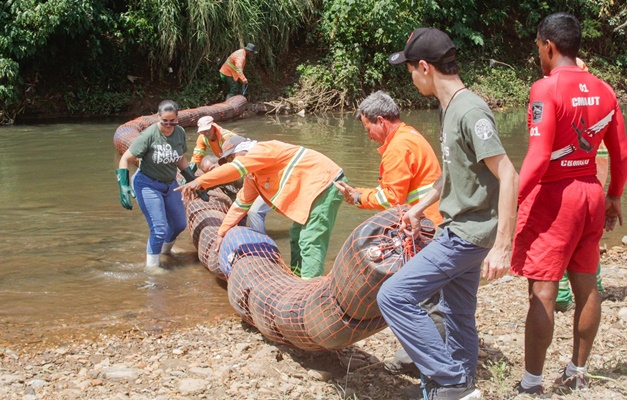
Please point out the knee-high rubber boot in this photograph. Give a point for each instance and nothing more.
(152, 260)
(166, 248)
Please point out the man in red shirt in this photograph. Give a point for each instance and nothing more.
(562, 209)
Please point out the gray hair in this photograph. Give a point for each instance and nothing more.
(379, 104)
(168, 105)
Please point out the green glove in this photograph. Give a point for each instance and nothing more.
(125, 188)
(189, 176)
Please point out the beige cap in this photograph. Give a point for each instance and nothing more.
(205, 123)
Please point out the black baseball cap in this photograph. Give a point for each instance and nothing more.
(429, 44)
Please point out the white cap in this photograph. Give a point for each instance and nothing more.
(205, 123)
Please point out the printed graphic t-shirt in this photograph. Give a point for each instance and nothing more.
(470, 191)
(159, 154)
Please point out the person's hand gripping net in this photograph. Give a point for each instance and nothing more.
(410, 223)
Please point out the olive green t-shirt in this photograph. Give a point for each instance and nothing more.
(470, 192)
(159, 154)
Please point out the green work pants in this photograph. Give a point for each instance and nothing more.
(232, 85)
(565, 296)
(309, 243)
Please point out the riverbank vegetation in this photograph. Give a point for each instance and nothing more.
(100, 57)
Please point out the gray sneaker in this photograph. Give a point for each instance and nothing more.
(462, 391)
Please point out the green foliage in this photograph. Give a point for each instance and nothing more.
(612, 73)
(137, 30)
(96, 102)
(499, 372)
(96, 43)
(65, 39)
(211, 30)
(9, 79)
(500, 85)
(359, 35)
(88, 47)
(202, 92)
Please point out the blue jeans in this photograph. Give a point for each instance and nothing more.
(163, 209)
(451, 266)
(257, 215)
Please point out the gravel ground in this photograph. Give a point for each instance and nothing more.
(231, 360)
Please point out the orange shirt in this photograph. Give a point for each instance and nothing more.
(286, 176)
(234, 65)
(408, 169)
(216, 145)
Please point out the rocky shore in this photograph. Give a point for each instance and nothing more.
(231, 360)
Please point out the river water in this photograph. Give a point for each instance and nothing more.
(71, 258)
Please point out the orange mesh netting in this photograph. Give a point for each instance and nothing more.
(328, 312)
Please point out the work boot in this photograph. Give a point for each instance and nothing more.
(166, 248)
(152, 260)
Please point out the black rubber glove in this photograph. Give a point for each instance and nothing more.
(125, 188)
(189, 176)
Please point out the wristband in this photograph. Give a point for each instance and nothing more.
(357, 199)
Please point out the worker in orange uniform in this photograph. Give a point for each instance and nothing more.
(281, 174)
(408, 169)
(210, 135)
(213, 136)
(232, 71)
(409, 166)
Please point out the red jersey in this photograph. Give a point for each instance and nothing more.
(570, 112)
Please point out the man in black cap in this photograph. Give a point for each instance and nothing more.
(478, 182)
(232, 71)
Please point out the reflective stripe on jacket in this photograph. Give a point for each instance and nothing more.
(234, 65)
(286, 176)
(216, 145)
(408, 169)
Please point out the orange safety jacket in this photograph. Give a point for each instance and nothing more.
(234, 65)
(216, 145)
(408, 169)
(286, 176)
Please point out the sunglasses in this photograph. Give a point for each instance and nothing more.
(169, 123)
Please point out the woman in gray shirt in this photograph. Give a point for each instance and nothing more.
(159, 149)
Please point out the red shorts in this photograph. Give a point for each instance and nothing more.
(559, 227)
